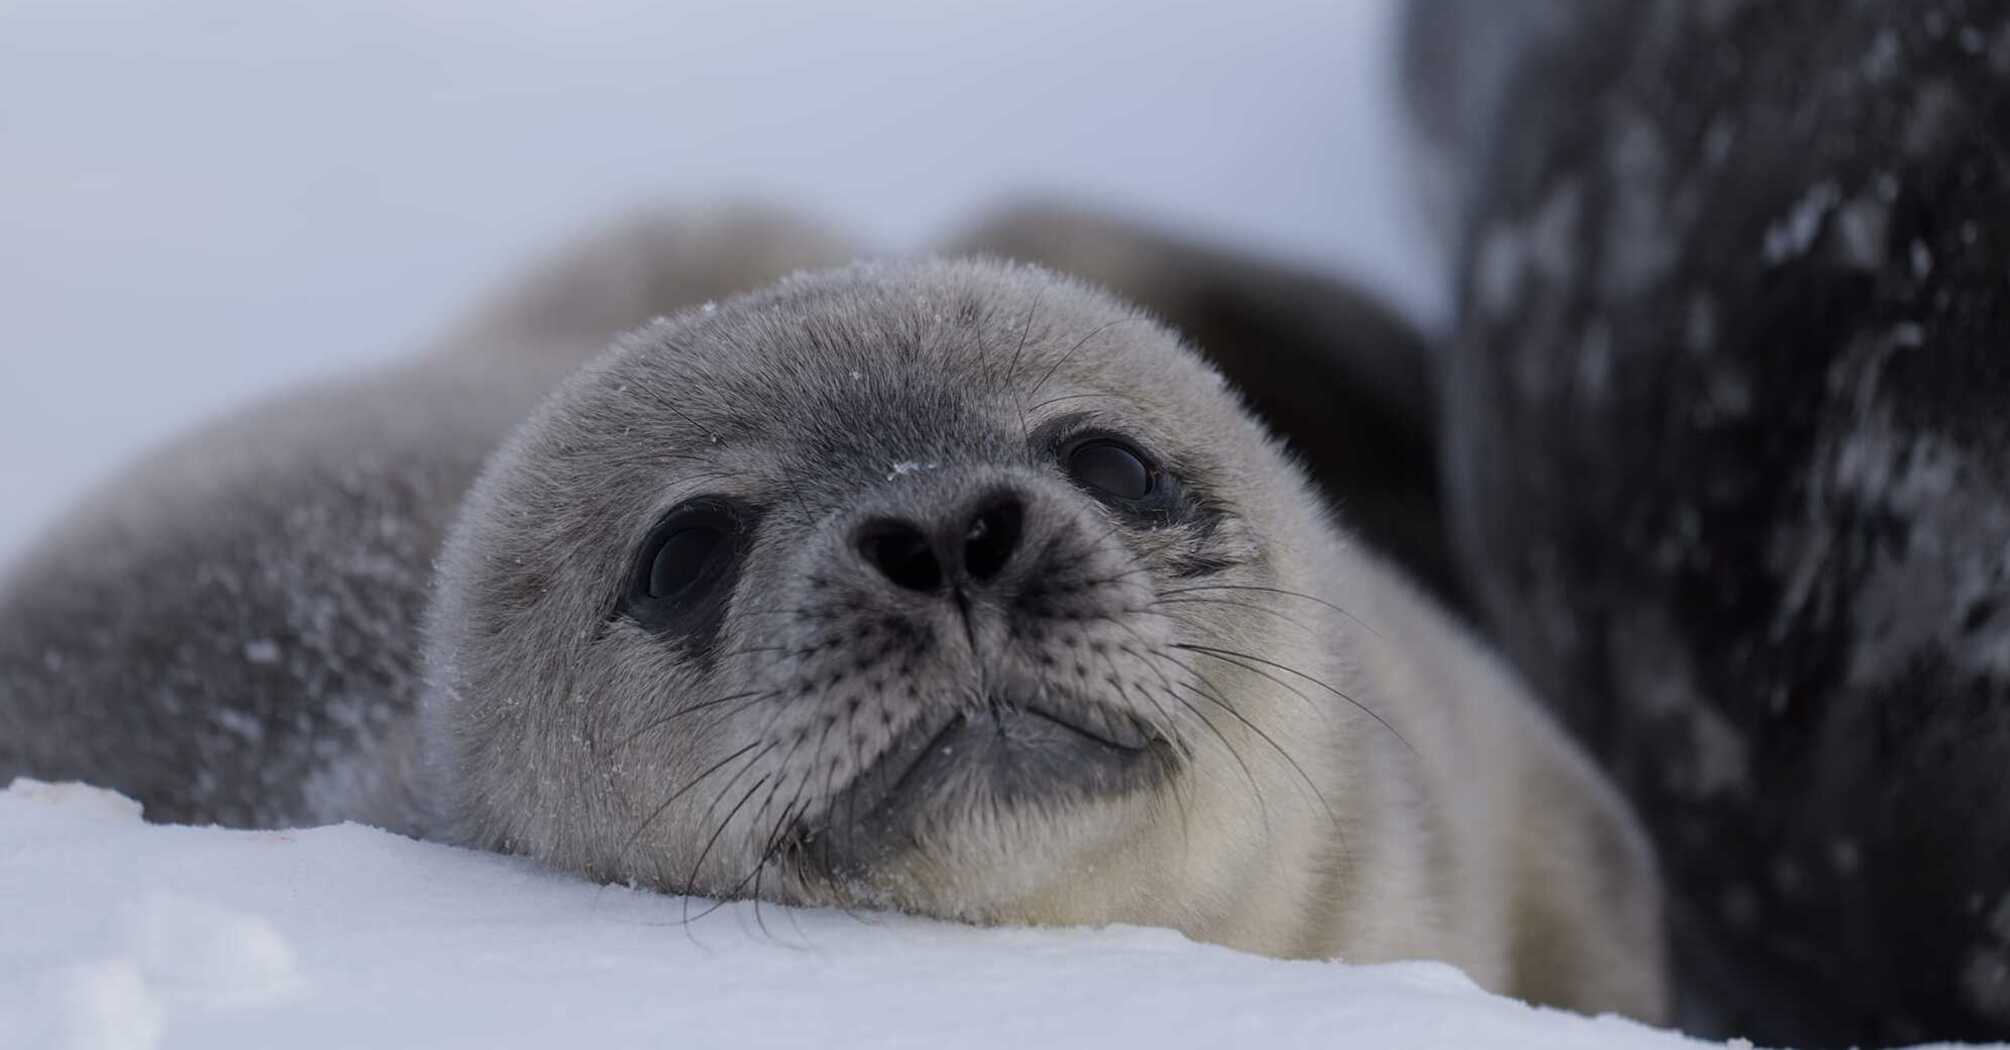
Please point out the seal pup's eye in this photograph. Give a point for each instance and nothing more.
(1112, 469)
(681, 559)
(681, 569)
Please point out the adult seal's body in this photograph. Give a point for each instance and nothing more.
(1728, 464)
(950, 587)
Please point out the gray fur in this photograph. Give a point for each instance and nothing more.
(1288, 820)
(227, 633)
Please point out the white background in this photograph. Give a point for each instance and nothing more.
(202, 200)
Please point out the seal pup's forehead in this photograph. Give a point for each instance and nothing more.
(908, 360)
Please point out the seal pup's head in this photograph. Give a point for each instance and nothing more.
(939, 586)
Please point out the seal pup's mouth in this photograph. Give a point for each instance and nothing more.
(1007, 755)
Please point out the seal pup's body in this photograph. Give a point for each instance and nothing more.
(954, 588)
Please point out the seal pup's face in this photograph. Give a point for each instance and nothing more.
(900, 585)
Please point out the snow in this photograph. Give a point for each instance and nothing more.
(122, 934)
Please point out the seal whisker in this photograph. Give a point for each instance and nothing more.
(1145, 650)
(1071, 397)
(1186, 621)
(1248, 775)
(760, 860)
(1279, 591)
(1230, 656)
(671, 407)
(633, 836)
(774, 839)
(776, 855)
(751, 697)
(750, 650)
(691, 881)
(1018, 351)
(1165, 728)
(1233, 604)
(1310, 784)
(1079, 344)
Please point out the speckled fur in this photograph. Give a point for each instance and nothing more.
(1728, 467)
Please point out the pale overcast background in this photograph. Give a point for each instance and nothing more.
(203, 200)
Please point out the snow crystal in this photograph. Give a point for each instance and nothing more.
(901, 470)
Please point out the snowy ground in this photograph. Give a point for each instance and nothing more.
(125, 935)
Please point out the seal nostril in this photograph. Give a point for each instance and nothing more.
(902, 553)
(991, 537)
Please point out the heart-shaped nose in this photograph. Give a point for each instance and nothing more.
(972, 544)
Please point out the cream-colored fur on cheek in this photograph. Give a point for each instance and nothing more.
(1466, 829)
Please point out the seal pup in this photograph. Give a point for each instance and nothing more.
(228, 631)
(962, 589)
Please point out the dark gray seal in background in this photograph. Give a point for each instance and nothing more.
(1727, 426)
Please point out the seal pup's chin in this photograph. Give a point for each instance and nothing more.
(1019, 755)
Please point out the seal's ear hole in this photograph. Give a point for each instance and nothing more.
(682, 567)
